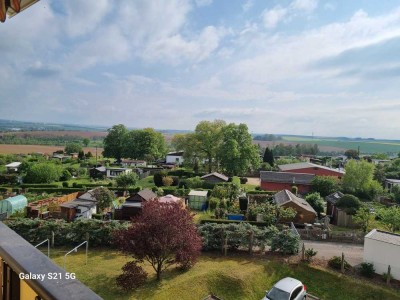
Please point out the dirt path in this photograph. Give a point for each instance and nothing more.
(352, 253)
(253, 180)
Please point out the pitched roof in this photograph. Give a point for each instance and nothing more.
(176, 153)
(334, 197)
(306, 165)
(383, 236)
(285, 196)
(220, 176)
(147, 194)
(286, 177)
(15, 164)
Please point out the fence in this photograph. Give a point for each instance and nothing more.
(317, 234)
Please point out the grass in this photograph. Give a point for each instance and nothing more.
(147, 182)
(206, 215)
(232, 277)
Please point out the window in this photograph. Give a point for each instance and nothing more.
(296, 292)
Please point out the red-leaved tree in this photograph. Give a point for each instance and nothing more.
(163, 234)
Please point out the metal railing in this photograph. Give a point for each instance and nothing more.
(75, 250)
(48, 246)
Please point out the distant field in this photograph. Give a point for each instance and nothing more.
(60, 133)
(366, 146)
(323, 148)
(25, 149)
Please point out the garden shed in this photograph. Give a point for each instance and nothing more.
(382, 249)
(198, 200)
(13, 204)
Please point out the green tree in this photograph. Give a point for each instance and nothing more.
(207, 138)
(390, 217)
(363, 218)
(85, 142)
(324, 185)
(349, 203)
(237, 153)
(351, 154)
(145, 144)
(104, 198)
(73, 148)
(42, 173)
(81, 155)
(268, 157)
(65, 175)
(126, 180)
(316, 201)
(114, 142)
(358, 177)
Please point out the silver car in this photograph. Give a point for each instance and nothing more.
(287, 289)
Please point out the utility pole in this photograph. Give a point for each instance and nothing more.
(96, 156)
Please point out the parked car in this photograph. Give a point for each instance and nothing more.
(287, 289)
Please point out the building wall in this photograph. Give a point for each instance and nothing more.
(172, 159)
(316, 171)
(276, 186)
(116, 173)
(302, 216)
(382, 255)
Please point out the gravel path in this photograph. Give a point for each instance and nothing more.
(326, 250)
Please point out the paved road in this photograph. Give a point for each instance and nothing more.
(326, 250)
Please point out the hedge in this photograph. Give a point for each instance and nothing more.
(54, 190)
(37, 230)
(81, 185)
(223, 221)
(39, 185)
(261, 192)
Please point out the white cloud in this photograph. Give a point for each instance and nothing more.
(84, 17)
(271, 17)
(202, 3)
(304, 5)
(247, 5)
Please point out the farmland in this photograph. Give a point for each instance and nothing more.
(25, 149)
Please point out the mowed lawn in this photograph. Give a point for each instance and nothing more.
(231, 277)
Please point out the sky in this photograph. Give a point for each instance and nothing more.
(328, 68)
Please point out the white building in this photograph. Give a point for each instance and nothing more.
(13, 167)
(115, 172)
(133, 163)
(174, 158)
(383, 249)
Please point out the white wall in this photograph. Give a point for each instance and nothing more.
(381, 255)
(172, 159)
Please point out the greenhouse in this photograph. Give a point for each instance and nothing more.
(198, 200)
(13, 204)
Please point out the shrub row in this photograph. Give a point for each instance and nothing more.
(39, 185)
(223, 221)
(37, 230)
(58, 190)
(261, 192)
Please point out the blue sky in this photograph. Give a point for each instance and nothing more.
(331, 68)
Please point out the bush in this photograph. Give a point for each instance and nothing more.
(213, 203)
(243, 180)
(167, 181)
(385, 276)
(65, 184)
(309, 254)
(132, 277)
(285, 242)
(158, 178)
(367, 269)
(336, 263)
(295, 189)
(175, 180)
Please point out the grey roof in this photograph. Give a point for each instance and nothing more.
(147, 194)
(285, 196)
(397, 181)
(304, 165)
(15, 164)
(383, 236)
(219, 175)
(132, 204)
(334, 197)
(77, 202)
(286, 177)
(101, 169)
(177, 153)
(198, 193)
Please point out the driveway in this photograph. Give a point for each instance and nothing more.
(352, 253)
